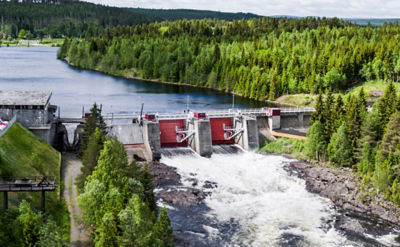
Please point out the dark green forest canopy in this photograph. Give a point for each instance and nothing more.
(257, 58)
(189, 14)
(73, 18)
(69, 18)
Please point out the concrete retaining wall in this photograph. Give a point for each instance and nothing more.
(201, 141)
(151, 139)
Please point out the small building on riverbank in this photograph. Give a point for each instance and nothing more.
(32, 109)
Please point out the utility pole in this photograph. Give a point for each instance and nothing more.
(187, 103)
(233, 100)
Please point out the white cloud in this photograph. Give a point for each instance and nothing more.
(330, 8)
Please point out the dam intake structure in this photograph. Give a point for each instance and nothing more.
(200, 131)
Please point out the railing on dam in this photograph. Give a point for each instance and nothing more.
(210, 113)
(9, 124)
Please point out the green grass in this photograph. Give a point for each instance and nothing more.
(44, 42)
(22, 154)
(308, 100)
(285, 146)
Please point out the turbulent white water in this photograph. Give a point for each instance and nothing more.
(271, 207)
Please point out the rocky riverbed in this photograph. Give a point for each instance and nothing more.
(362, 220)
(188, 213)
(361, 214)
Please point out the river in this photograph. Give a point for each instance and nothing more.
(255, 202)
(37, 69)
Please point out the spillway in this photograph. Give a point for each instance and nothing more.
(257, 203)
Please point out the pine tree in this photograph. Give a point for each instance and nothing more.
(339, 148)
(318, 115)
(316, 141)
(90, 156)
(95, 120)
(391, 139)
(328, 115)
(387, 106)
(353, 121)
(163, 228)
(338, 113)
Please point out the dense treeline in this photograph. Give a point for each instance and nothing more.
(25, 226)
(117, 199)
(73, 18)
(189, 14)
(258, 58)
(347, 134)
(62, 18)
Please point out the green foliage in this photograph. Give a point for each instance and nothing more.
(339, 147)
(284, 146)
(22, 154)
(30, 224)
(391, 139)
(93, 122)
(50, 235)
(316, 144)
(163, 228)
(262, 58)
(90, 156)
(118, 201)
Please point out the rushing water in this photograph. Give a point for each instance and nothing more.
(36, 68)
(266, 205)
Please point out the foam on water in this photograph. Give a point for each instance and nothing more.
(271, 207)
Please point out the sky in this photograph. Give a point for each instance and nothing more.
(328, 8)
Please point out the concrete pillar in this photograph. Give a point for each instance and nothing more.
(201, 141)
(5, 200)
(249, 139)
(274, 122)
(250, 134)
(151, 139)
(300, 117)
(43, 201)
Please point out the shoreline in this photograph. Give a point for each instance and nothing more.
(131, 77)
(343, 188)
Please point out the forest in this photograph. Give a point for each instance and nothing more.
(346, 134)
(71, 18)
(116, 196)
(260, 58)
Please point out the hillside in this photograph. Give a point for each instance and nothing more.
(190, 14)
(22, 154)
(69, 18)
(74, 18)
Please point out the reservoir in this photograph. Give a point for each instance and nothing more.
(38, 69)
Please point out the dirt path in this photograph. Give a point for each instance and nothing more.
(72, 168)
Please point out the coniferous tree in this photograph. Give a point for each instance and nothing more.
(339, 148)
(95, 120)
(318, 115)
(316, 141)
(163, 228)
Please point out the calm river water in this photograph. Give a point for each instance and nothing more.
(36, 68)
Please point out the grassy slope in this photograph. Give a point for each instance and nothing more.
(22, 154)
(309, 99)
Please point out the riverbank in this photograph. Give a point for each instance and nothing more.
(344, 189)
(129, 74)
(32, 43)
(264, 202)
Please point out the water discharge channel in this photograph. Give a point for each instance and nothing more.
(255, 202)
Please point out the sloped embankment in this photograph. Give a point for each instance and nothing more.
(24, 155)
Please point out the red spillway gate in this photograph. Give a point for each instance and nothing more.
(168, 132)
(217, 130)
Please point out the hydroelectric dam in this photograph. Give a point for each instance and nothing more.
(145, 136)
